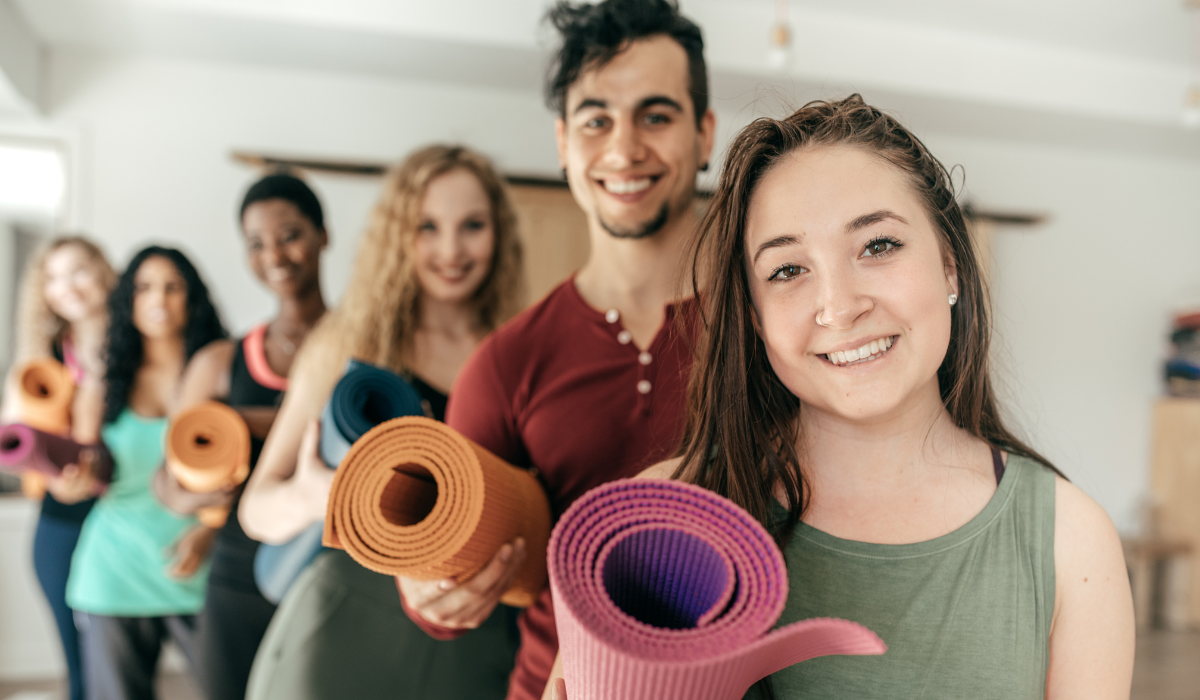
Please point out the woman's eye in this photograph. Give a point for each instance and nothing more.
(474, 225)
(785, 272)
(880, 246)
(427, 227)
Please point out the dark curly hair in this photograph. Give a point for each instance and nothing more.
(124, 348)
(289, 188)
(593, 35)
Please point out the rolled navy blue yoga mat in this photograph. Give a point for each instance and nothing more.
(364, 397)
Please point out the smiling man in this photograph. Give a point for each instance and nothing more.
(588, 385)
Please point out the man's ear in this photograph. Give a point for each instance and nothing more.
(560, 140)
(705, 136)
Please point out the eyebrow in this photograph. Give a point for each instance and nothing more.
(860, 223)
(873, 218)
(776, 242)
(652, 101)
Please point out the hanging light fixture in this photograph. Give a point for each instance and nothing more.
(1191, 96)
(779, 54)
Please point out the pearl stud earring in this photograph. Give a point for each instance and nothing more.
(953, 299)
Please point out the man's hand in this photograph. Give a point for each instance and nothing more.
(465, 605)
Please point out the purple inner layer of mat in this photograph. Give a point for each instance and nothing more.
(665, 578)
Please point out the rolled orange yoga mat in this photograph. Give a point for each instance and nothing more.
(45, 391)
(415, 498)
(208, 449)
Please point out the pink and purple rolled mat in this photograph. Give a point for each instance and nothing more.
(23, 449)
(667, 591)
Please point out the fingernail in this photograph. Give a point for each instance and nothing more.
(554, 692)
(506, 552)
(520, 544)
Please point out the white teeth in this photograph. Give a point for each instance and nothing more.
(626, 187)
(868, 352)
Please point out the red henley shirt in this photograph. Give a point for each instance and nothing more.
(562, 388)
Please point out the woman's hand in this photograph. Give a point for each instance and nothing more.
(75, 483)
(190, 551)
(447, 603)
(174, 496)
(313, 478)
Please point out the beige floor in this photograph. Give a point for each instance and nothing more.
(1167, 668)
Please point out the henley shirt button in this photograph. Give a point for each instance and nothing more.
(624, 337)
(643, 387)
(612, 315)
(645, 358)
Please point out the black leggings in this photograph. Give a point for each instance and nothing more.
(230, 628)
(53, 544)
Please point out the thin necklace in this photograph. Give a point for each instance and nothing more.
(282, 342)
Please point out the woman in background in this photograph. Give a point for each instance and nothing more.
(63, 313)
(439, 268)
(284, 233)
(128, 592)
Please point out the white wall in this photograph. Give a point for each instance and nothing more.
(1082, 301)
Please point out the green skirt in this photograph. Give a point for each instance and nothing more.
(340, 633)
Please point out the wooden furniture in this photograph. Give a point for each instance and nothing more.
(1175, 484)
(1158, 574)
(554, 233)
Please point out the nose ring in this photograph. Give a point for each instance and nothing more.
(823, 325)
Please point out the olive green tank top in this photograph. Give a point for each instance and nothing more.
(965, 616)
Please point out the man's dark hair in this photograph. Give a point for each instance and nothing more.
(592, 35)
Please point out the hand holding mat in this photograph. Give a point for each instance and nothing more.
(45, 390)
(667, 591)
(414, 498)
(364, 397)
(27, 449)
(208, 450)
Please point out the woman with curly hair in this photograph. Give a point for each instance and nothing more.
(63, 313)
(284, 234)
(438, 269)
(128, 592)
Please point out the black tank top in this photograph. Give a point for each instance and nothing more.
(234, 550)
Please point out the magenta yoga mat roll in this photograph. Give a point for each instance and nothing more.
(666, 591)
(23, 448)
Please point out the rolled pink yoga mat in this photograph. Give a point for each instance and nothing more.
(23, 448)
(667, 591)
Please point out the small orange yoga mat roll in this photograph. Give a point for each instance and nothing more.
(208, 449)
(45, 393)
(414, 498)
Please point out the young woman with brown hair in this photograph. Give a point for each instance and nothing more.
(439, 268)
(63, 313)
(842, 395)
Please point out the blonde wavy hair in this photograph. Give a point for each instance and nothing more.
(377, 317)
(38, 327)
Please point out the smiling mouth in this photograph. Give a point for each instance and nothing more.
(867, 353)
(628, 186)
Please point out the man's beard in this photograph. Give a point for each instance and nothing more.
(646, 230)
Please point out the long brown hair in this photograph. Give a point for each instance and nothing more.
(376, 319)
(742, 422)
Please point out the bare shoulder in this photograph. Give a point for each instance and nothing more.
(217, 354)
(1088, 561)
(662, 470)
(1079, 522)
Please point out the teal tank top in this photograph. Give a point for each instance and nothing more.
(965, 616)
(119, 566)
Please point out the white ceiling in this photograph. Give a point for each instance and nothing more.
(1078, 67)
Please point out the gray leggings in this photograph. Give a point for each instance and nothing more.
(120, 654)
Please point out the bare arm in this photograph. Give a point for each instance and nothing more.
(289, 488)
(1092, 636)
(205, 378)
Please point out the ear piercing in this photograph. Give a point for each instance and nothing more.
(953, 299)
